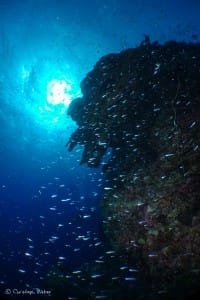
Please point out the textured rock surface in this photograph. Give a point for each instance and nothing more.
(144, 104)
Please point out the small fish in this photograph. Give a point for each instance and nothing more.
(152, 255)
(133, 270)
(130, 278)
(76, 272)
(76, 249)
(61, 258)
(65, 200)
(110, 252)
(192, 125)
(94, 276)
(53, 237)
(86, 216)
(52, 208)
(27, 254)
(169, 154)
(29, 239)
(97, 244)
(123, 268)
(21, 271)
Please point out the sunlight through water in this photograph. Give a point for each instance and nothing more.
(47, 94)
(58, 92)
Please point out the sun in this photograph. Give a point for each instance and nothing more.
(58, 92)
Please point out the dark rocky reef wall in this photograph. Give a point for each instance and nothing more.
(144, 104)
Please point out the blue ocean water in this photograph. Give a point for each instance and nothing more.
(49, 204)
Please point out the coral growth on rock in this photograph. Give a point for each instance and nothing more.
(144, 104)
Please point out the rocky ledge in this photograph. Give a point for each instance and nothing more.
(143, 106)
